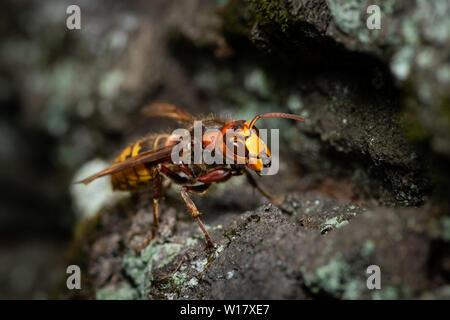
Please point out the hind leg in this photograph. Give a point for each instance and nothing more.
(156, 197)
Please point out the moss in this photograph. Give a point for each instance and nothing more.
(238, 17)
(411, 124)
(272, 13)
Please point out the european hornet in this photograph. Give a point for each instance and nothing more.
(145, 163)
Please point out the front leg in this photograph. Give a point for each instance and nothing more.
(217, 175)
(252, 181)
(196, 214)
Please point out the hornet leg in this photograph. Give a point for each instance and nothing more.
(252, 181)
(195, 213)
(212, 176)
(156, 196)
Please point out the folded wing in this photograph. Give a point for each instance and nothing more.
(167, 110)
(148, 157)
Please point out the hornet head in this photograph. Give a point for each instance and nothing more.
(242, 143)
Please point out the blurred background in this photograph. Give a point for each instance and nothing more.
(377, 104)
(70, 96)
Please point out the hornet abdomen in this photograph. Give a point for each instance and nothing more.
(141, 176)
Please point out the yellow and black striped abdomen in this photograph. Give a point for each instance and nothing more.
(140, 176)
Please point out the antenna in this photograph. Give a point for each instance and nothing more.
(275, 115)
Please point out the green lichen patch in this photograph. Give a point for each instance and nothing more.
(121, 291)
(179, 278)
(346, 14)
(140, 267)
(334, 278)
(338, 278)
